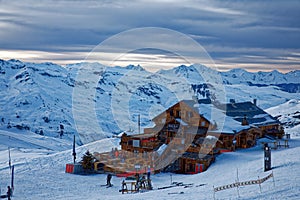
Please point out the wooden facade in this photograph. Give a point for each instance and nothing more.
(275, 130)
(191, 141)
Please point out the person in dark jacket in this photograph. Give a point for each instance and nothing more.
(108, 179)
(9, 193)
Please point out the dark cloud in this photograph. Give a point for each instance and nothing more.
(229, 30)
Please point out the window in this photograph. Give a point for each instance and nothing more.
(203, 123)
(178, 113)
(189, 114)
(136, 143)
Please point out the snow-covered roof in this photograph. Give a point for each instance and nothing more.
(225, 124)
(183, 123)
(267, 140)
(162, 149)
(228, 117)
(253, 113)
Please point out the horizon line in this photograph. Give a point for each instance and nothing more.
(220, 69)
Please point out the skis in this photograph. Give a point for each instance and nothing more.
(200, 185)
(107, 186)
(176, 193)
(175, 184)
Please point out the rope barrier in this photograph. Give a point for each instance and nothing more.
(237, 184)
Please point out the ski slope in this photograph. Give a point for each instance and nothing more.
(40, 173)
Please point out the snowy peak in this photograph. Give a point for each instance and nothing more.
(193, 74)
(135, 67)
(182, 69)
(241, 76)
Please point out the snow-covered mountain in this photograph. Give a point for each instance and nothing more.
(288, 114)
(35, 97)
(238, 75)
(94, 101)
(289, 82)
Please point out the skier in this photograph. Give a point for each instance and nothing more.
(143, 182)
(124, 187)
(9, 193)
(108, 179)
(137, 184)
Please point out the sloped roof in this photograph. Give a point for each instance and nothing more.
(254, 114)
(229, 117)
(225, 124)
(232, 115)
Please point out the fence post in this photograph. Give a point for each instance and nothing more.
(214, 192)
(237, 176)
(259, 184)
(273, 179)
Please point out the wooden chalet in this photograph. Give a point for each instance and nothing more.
(188, 135)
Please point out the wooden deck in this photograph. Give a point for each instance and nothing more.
(126, 162)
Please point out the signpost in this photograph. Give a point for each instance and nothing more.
(267, 157)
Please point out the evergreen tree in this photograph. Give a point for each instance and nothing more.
(87, 161)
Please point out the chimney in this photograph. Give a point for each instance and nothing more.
(255, 102)
(245, 121)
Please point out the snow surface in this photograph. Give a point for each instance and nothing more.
(289, 115)
(40, 174)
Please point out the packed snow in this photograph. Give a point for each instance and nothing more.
(40, 174)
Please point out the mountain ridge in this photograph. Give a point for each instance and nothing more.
(40, 97)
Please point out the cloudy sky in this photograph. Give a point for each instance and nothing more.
(255, 35)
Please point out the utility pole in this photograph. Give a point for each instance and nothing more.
(139, 124)
(74, 152)
(9, 159)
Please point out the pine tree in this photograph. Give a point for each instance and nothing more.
(87, 161)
